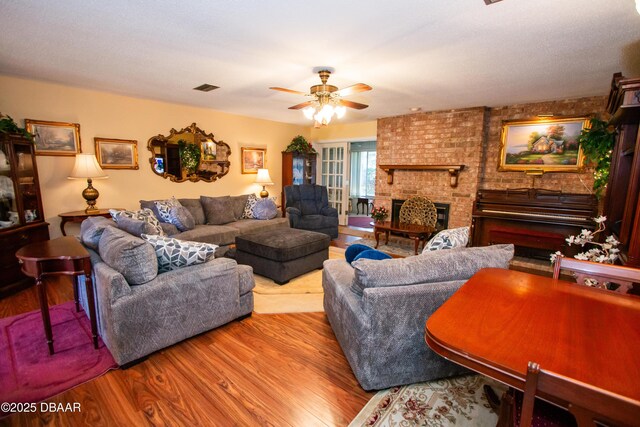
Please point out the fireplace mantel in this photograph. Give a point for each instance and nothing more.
(452, 169)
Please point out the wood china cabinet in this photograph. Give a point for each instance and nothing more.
(297, 168)
(622, 202)
(21, 215)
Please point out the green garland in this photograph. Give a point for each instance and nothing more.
(597, 143)
(189, 155)
(7, 125)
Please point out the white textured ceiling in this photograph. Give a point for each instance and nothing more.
(433, 54)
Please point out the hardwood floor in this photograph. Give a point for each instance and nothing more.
(271, 370)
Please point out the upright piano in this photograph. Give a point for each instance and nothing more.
(536, 221)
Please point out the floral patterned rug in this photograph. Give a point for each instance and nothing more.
(457, 401)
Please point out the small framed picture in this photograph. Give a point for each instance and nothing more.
(117, 153)
(54, 138)
(253, 159)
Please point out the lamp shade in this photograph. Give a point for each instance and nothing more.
(263, 177)
(87, 166)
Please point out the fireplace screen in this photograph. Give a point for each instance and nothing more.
(443, 213)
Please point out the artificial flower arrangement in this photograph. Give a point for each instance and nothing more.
(379, 213)
(605, 252)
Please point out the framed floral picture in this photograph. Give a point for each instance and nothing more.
(54, 138)
(117, 153)
(253, 159)
(542, 145)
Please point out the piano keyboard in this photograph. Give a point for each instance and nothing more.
(535, 215)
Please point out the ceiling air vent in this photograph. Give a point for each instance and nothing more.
(206, 87)
(488, 2)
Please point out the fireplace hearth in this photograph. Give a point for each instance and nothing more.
(442, 222)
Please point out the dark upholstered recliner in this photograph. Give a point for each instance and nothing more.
(308, 209)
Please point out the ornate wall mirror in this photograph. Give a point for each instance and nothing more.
(189, 154)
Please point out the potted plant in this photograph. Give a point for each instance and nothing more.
(189, 156)
(301, 145)
(7, 125)
(379, 214)
(597, 143)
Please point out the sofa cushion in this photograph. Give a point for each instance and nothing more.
(150, 204)
(143, 215)
(217, 210)
(431, 267)
(248, 207)
(238, 203)
(265, 209)
(130, 256)
(216, 234)
(448, 239)
(278, 246)
(91, 230)
(169, 229)
(195, 207)
(247, 226)
(173, 254)
(135, 227)
(163, 208)
(181, 218)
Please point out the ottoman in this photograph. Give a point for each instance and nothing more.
(283, 254)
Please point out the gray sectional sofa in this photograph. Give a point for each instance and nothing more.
(140, 310)
(378, 310)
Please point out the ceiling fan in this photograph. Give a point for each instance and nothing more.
(326, 100)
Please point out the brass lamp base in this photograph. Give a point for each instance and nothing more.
(90, 194)
(264, 193)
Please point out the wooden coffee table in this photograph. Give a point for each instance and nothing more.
(419, 233)
(66, 256)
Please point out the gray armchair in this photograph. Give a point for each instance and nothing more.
(308, 209)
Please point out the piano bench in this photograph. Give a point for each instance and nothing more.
(527, 238)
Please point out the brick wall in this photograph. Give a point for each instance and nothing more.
(471, 137)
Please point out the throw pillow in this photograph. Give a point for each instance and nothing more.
(372, 254)
(173, 253)
(437, 266)
(143, 215)
(353, 251)
(164, 208)
(128, 255)
(195, 207)
(248, 207)
(218, 210)
(238, 203)
(265, 209)
(150, 204)
(135, 227)
(448, 239)
(91, 230)
(181, 218)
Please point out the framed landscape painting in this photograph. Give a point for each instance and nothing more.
(253, 159)
(117, 153)
(539, 146)
(54, 138)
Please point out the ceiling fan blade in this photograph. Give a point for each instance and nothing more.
(352, 104)
(301, 106)
(281, 89)
(358, 87)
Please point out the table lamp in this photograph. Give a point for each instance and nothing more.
(87, 166)
(264, 179)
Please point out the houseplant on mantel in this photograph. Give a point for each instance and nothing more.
(299, 144)
(597, 143)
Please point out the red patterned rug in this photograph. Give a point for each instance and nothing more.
(29, 374)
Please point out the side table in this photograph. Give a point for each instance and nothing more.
(79, 216)
(61, 256)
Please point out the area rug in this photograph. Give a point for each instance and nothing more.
(360, 221)
(29, 374)
(457, 401)
(396, 246)
(302, 294)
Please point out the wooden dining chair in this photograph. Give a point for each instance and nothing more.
(623, 276)
(588, 404)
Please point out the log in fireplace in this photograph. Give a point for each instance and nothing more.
(442, 222)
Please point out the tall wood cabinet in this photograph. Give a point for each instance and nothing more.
(622, 202)
(21, 215)
(297, 168)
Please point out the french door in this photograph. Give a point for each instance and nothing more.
(333, 173)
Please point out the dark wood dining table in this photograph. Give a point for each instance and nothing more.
(501, 319)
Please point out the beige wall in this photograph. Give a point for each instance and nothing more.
(102, 114)
(341, 132)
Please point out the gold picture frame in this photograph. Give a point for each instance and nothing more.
(54, 138)
(253, 159)
(116, 153)
(539, 146)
